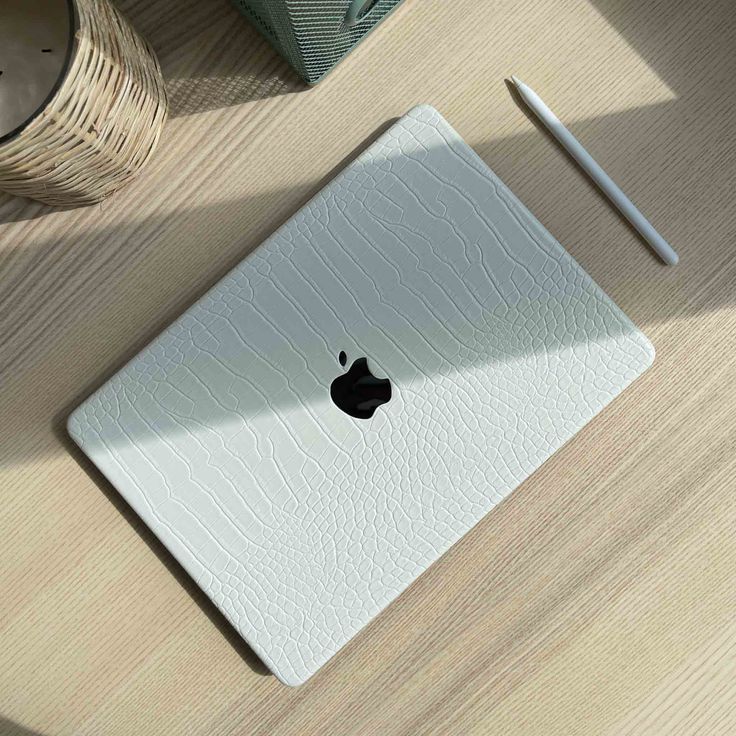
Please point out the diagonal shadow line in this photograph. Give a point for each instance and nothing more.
(40, 332)
(661, 34)
(11, 728)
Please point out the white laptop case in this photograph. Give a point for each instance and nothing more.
(300, 521)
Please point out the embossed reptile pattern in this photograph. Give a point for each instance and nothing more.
(299, 521)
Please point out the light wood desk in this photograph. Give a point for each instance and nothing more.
(601, 597)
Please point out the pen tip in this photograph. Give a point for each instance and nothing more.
(516, 80)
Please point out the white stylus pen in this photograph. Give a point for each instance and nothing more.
(571, 144)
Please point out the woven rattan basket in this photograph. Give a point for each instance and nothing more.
(101, 123)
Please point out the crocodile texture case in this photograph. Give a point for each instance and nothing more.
(300, 520)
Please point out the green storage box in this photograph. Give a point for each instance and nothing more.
(313, 35)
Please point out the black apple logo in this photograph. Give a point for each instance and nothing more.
(358, 392)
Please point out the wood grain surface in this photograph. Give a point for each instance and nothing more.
(601, 597)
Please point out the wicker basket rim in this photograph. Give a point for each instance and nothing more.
(71, 49)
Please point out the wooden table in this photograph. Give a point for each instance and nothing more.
(601, 597)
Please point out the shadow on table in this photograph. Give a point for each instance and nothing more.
(22, 209)
(11, 728)
(211, 55)
(665, 37)
(211, 58)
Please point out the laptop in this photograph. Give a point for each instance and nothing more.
(350, 400)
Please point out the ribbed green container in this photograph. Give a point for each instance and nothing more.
(313, 35)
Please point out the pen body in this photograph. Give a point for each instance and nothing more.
(597, 174)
